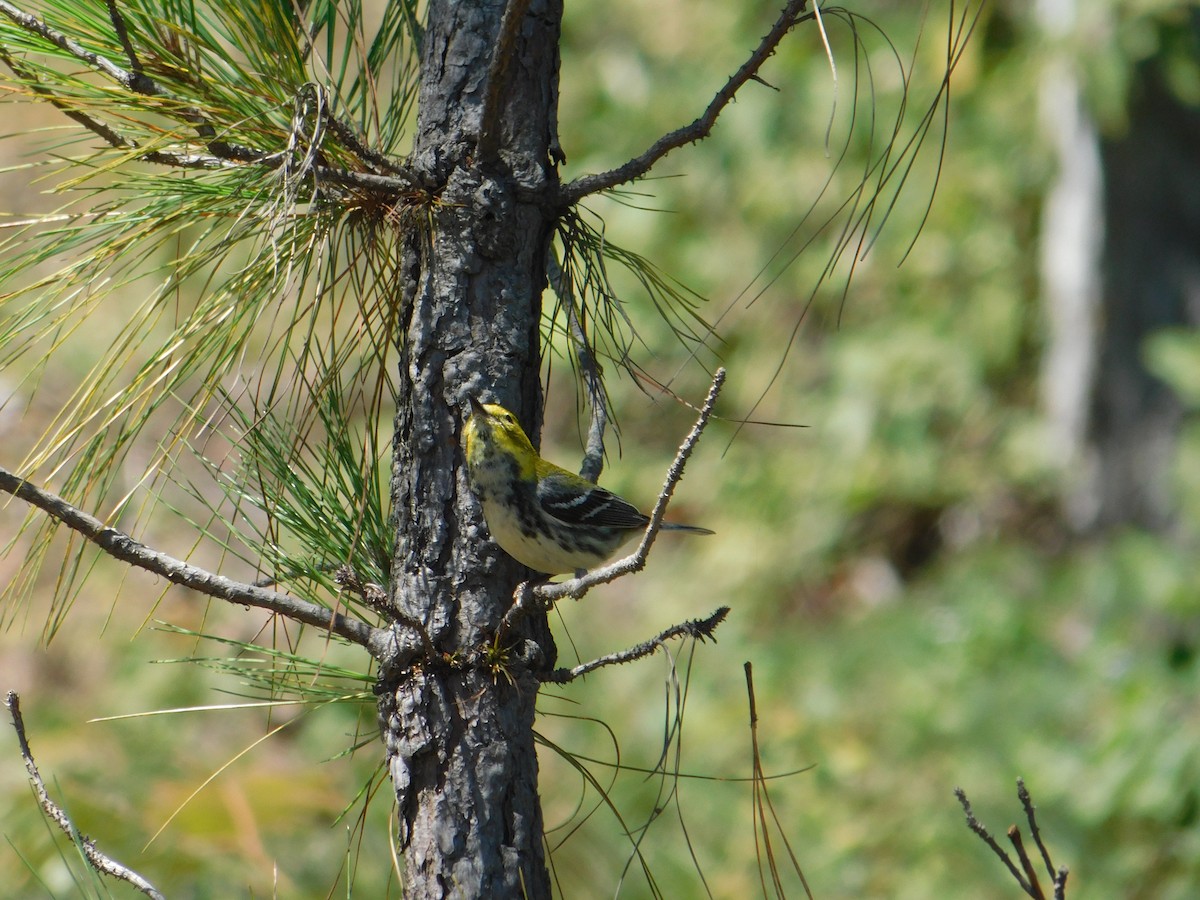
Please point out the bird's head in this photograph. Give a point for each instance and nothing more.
(490, 428)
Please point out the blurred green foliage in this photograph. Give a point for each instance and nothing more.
(918, 616)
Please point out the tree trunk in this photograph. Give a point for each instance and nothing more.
(1151, 261)
(1121, 232)
(459, 736)
(1071, 242)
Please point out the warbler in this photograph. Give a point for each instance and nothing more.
(540, 514)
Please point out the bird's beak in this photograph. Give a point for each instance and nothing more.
(476, 407)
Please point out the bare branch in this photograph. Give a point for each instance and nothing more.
(1029, 882)
(122, 31)
(699, 629)
(1034, 831)
(593, 379)
(1059, 875)
(531, 597)
(986, 836)
(1014, 837)
(636, 561)
(121, 546)
(103, 864)
(764, 806)
(384, 186)
(489, 123)
(576, 190)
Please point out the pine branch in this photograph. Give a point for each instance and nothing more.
(102, 863)
(109, 135)
(222, 154)
(121, 546)
(699, 629)
(574, 191)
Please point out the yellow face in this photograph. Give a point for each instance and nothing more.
(498, 417)
(491, 429)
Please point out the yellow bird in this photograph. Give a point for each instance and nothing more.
(542, 515)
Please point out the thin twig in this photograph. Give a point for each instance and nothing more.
(530, 597)
(593, 376)
(489, 123)
(1034, 831)
(699, 629)
(122, 30)
(121, 546)
(1029, 883)
(1035, 887)
(103, 864)
(1060, 883)
(1058, 875)
(978, 827)
(576, 190)
(577, 587)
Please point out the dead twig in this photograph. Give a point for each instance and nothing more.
(102, 863)
(576, 190)
(698, 629)
(1026, 875)
(764, 810)
(636, 561)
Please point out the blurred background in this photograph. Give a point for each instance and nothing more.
(975, 561)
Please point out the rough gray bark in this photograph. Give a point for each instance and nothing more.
(459, 739)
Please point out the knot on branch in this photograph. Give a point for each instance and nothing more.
(376, 597)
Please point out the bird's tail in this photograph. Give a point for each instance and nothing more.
(693, 529)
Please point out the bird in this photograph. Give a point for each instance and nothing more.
(542, 515)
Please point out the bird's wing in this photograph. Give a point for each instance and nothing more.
(575, 502)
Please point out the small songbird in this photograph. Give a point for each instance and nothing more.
(543, 516)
